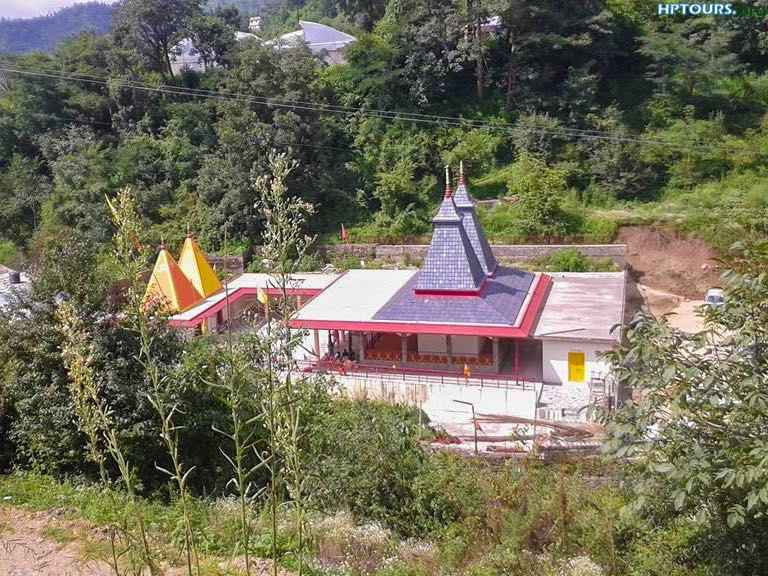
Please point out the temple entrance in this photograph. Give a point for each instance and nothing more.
(518, 359)
(523, 358)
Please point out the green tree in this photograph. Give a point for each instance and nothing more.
(687, 57)
(154, 27)
(212, 38)
(23, 190)
(697, 429)
(539, 190)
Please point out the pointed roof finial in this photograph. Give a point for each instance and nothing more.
(189, 231)
(461, 172)
(162, 242)
(448, 191)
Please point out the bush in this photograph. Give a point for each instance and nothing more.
(368, 456)
(571, 260)
(539, 189)
(43, 428)
(8, 253)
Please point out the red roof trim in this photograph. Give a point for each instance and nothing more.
(536, 305)
(530, 318)
(410, 328)
(234, 297)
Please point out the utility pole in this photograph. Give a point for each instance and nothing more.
(474, 420)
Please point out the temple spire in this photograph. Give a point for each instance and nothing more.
(451, 265)
(466, 208)
(168, 286)
(194, 263)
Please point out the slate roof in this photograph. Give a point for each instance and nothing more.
(499, 302)
(466, 208)
(451, 264)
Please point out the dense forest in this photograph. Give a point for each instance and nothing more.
(588, 114)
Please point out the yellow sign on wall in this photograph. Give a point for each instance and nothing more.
(576, 370)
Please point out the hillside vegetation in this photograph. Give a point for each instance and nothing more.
(579, 116)
(45, 33)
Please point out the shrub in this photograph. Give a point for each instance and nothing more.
(368, 455)
(539, 189)
(599, 229)
(8, 253)
(571, 260)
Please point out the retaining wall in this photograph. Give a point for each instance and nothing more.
(398, 252)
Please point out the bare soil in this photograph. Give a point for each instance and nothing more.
(683, 313)
(44, 544)
(668, 261)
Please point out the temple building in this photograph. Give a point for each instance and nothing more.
(461, 316)
(200, 303)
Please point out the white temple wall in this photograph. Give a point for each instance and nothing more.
(465, 345)
(432, 344)
(555, 354)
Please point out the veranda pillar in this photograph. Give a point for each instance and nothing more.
(496, 356)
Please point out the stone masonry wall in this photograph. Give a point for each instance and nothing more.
(617, 252)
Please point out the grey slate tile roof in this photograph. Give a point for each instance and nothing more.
(466, 209)
(499, 302)
(451, 263)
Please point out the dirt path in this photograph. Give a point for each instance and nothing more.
(683, 312)
(43, 544)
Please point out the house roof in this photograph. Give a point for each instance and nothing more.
(319, 38)
(354, 301)
(356, 296)
(499, 303)
(169, 284)
(196, 268)
(309, 284)
(583, 306)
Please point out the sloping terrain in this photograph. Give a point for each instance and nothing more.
(40, 543)
(666, 260)
(23, 35)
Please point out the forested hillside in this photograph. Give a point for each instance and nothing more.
(581, 114)
(22, 35)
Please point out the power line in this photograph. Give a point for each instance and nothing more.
(451, 121)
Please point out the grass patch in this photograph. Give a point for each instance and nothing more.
(59, 535)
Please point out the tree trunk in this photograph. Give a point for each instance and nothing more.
(167, 54)
(479, 71)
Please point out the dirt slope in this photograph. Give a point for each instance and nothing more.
(669, 261)
(28, 547)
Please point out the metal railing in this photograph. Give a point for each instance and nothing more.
(418, 376)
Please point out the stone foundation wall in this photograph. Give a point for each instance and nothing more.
(398, 253)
